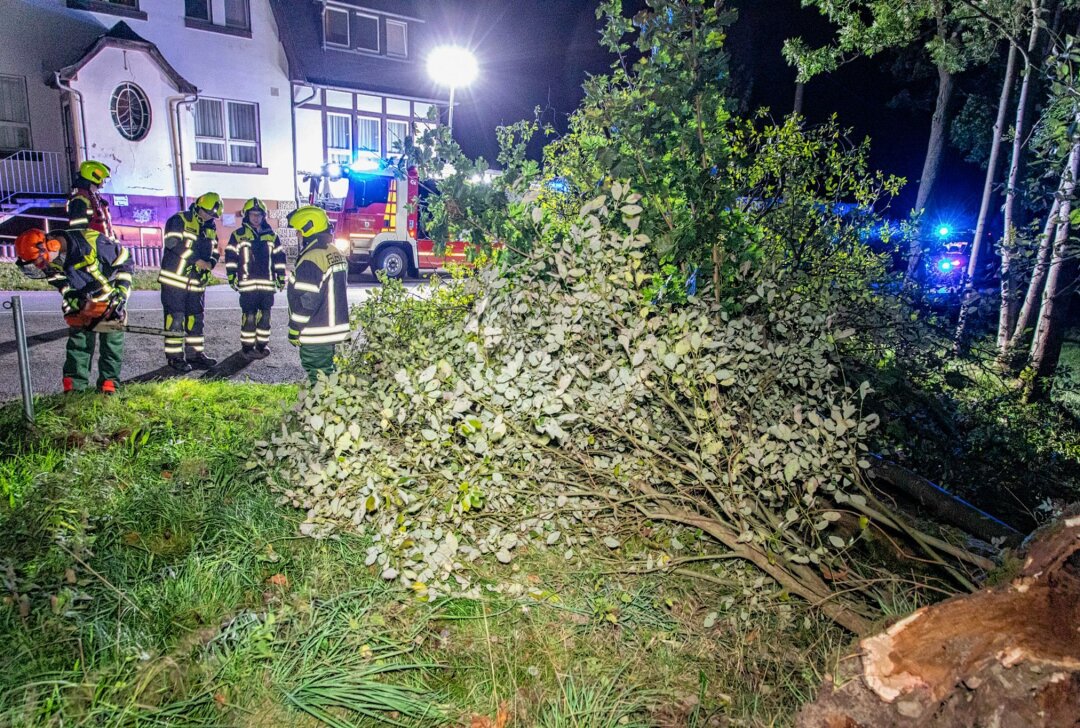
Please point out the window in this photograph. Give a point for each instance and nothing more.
(339, 138)
(130, 111)
(396, 134)
(227, 132)
(125, 8)
(367, 135)
(397, 38)
(199, 9)
(367, 33)
(336, 27)
(14, 114)
(237, 14)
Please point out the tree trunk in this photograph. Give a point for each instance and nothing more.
(967, 288)
(934, 151)
(1007, 314)
(1019, 333)
(1046, 344)
(800, 87)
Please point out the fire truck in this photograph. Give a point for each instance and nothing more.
(377, 222)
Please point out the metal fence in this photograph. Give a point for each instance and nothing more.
(145, 256)
(28, 172)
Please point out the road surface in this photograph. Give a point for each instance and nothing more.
(143, 356)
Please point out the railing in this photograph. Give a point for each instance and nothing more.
(145, 256)
(28, 172)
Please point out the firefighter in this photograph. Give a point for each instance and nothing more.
(93, 274)
(85, 207)
(190, 254)
(255, 264)
(318, 295)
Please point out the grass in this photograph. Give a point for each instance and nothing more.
(13, 280)
(148, 580)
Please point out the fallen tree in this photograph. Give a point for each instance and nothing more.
(1007, 656)
(563, 408)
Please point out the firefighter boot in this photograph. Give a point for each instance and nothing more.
(248, 352)
(178, 363)
(199, 360)
(262, 351)
(108, 387)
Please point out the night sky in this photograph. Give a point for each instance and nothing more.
(538, 52)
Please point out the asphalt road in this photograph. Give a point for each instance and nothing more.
(143, 356)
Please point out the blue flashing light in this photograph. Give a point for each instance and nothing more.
(366, 162)
(946, 265)
(944, 231)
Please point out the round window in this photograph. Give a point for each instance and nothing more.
(130, 112)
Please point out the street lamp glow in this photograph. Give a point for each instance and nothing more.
(454, 67)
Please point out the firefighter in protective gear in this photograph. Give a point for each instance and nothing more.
(93, 274)
(190, 254)
(255, 263)
(86, 209)
(318, 295)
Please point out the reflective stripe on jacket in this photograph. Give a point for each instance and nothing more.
(187, 240)
(93, 267)
(256, 258)
(86, 209)
(318, 296)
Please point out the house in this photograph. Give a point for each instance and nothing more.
(359, 82)
(240, 97)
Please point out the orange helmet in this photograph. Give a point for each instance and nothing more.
(34, 247)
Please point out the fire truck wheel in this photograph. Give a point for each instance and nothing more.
(392, 261)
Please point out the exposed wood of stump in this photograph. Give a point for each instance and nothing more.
(1004, 657)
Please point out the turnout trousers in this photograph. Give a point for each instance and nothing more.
(317, 358)
(255, 318)
(184, 319)
(80, 354)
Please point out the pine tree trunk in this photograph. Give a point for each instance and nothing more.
(1007, 315)
(969, 297)
(934, 151)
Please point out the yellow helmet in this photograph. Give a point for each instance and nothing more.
(253, 204)
(93, 171)
(309, 220)
(210, 202)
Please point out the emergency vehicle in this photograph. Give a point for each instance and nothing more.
(377, 222)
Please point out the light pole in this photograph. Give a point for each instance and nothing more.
(452, 66)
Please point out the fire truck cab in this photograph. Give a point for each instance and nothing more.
(376, 224)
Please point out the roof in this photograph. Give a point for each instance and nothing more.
(300, 29)
(122, 36)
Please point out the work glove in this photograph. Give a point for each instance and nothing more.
(294, 337)
(72, 304)
(233, 282)
(117, 310)
(207, 277)
(279, 284)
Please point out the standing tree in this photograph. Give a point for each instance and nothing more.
(954, 38)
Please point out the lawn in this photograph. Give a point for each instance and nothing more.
(150, 580)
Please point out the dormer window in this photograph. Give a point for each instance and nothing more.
(364, 31)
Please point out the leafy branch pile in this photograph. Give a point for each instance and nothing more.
(562, 410)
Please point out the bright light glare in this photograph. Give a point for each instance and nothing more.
(333, 171)
(452, 66)
(945, 265)
(366, 161)
(944, 231)
(341, 244)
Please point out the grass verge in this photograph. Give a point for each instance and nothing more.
(148, 580)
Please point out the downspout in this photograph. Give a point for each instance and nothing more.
(81, 130)
(177, 139)
(295, 104)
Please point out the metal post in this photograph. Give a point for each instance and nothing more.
(450, 125)
(24, 358)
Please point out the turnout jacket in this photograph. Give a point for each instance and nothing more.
(318, 296)
(93, 267)
(188, 240)
(256, 259)
(87, 209)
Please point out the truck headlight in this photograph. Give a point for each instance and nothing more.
(342, 244)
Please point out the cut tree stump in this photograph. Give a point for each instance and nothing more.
(1004, 657)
